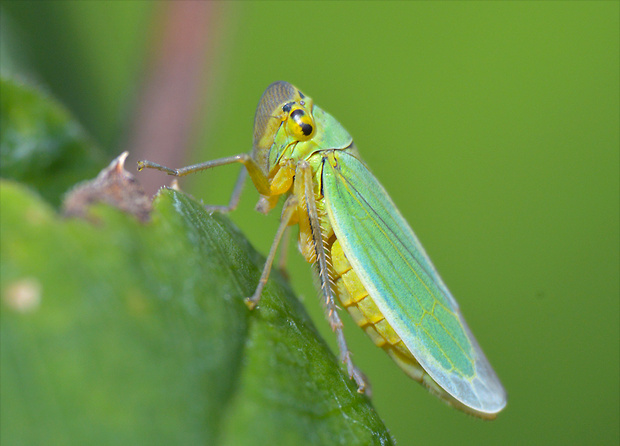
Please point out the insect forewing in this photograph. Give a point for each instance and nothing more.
(397, 273)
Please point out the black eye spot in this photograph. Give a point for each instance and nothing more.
(287, 107)
(298, 117)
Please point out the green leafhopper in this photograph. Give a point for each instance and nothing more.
(366, 255)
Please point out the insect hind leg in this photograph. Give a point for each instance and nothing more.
(305, 195)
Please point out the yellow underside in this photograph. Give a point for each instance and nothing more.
(360, 305)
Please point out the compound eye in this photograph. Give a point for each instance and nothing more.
(301, 124)
(286, 108)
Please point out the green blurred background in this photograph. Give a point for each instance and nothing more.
(494, 126)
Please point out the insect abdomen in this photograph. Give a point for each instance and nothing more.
(360, 305)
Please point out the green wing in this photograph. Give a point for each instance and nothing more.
(395, 270)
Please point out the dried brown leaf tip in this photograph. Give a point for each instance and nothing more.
(114, 186)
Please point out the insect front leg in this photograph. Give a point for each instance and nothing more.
(290, 206)
(256, 175)
(304, 191)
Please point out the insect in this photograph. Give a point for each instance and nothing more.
(367, 257)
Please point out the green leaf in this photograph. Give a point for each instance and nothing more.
(121, 332)
(40, 144)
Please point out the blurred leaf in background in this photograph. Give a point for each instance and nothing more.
(493, 125)
(40, 144)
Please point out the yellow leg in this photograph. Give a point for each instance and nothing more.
(305, 195)
(290, 206)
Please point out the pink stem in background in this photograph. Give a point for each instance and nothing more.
(174, 89)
